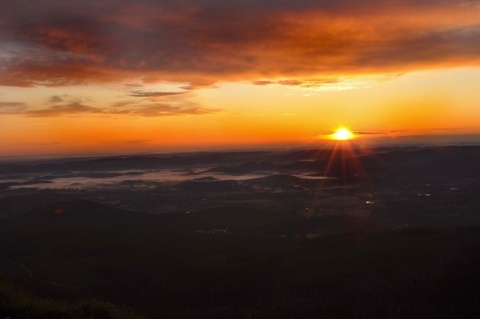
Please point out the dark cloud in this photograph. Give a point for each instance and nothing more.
(201, 42)
(154, 94)
(55, 99)
(189, 87)
(291, 82)
(263, 82)
(136, 85)
(124, 103)
(11, 104)
(12, 107)
(62, 105)
(434, 46)
(73, 108)
(370, 132)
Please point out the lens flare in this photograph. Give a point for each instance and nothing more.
(342, 134)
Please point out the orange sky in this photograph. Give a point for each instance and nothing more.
(122, 76)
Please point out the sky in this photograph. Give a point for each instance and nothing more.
(155, 76)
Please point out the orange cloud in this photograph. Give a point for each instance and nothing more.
(299, 83)
(66, 105)
(202, 42)
(63, 109)
(162, 109)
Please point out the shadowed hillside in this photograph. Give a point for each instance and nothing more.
(92, 251)
(388, 233)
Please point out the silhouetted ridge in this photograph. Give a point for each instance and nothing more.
(280, 180)
(210, 186)
(244, 168)
(127, 162)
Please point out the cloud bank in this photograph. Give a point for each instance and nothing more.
(69, 106)
(54, 43)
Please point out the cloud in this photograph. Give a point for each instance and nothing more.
(66, 105)
(298, 82)
(263, 82)
(12, 107)
(189, 87)
(11, 104)
(124, 103)
(203, 42)
(73, 108)
(279, 82)
(158, 103)
(154, 94)
(162, 109)
(151, 110)
(136, 85)
(55, 99)
(371, 132)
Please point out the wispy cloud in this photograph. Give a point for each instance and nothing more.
(12, 107)
(11, 104)
(371, 132)
(71, 106)
(124, 103)
(162, 109)
(155, 94)
(298, 82)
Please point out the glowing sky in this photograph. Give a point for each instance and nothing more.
(118, 76)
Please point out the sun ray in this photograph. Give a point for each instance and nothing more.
(344, 170)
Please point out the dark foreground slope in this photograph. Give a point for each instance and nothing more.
(158, 266)
(17, 303)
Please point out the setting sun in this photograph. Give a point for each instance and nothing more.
(342, 134)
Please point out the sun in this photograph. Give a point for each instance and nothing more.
(342, 134)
